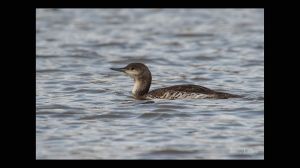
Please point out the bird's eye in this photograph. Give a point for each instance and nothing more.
(131, 68)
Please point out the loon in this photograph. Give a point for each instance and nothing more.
(142, 81)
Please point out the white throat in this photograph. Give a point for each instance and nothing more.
(136, 86)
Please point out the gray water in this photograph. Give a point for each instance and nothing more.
(84, 110)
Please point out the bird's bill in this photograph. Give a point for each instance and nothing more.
(118, 69)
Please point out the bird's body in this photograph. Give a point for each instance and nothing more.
(142, 82)
(187, 92)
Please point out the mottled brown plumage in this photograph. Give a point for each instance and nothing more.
(188, 89)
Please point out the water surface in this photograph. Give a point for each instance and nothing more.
(84, 110)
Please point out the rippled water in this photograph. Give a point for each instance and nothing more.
(84, 110)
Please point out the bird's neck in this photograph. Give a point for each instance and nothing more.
(141, 85)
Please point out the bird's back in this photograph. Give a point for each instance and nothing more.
(187, 91)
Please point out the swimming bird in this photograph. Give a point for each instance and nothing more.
(142, 81)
